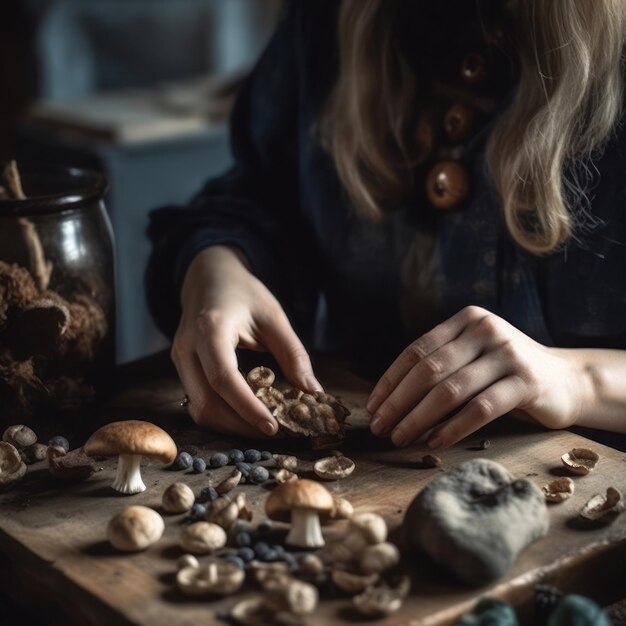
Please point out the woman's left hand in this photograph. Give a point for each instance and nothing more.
(474, 367)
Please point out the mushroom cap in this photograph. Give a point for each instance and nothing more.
(135, 528)
(298, 494)
(12, 467)
(131, 437)
(202, 538)
(178, 498)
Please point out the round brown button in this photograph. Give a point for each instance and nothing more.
(474, 68)
(447, 184)
(458, 122)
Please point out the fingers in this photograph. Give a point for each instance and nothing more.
(281, 340)
(205, 406)
(499, 399)
(219, 362)
(419, 350)
(426, 375)
(449, 396)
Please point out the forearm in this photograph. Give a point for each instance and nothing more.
(603, 388)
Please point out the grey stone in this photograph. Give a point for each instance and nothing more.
(475, 519)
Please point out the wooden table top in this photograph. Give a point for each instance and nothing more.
(53, 549)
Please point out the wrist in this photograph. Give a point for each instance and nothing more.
(586, 380)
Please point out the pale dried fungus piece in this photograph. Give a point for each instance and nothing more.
(382, 600)
(580, 461)
(558, 490)
(603, 507)
(334, 467)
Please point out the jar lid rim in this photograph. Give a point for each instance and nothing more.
(86, 186)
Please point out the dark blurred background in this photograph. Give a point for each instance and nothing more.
(138, 89)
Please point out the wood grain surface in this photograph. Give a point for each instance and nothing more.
(53, 551)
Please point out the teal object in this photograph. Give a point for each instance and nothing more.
(578, 611)
(490, 612)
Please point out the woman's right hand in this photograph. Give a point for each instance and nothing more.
(224, 306)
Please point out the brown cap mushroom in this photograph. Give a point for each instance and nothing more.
(178, 498)
(135, 528)
(130, 440)
(334, 467)
(215, 577)
(12, 468)
(301, 502)
(202, 538)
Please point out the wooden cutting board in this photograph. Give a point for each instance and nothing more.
(53, 552)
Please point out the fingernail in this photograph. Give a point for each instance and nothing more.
(376, 425)
(435, 442)
(399, 438)
(268, 427)
(371, 404)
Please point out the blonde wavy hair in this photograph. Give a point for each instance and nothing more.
(567, 103)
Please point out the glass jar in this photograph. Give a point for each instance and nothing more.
(57, 294)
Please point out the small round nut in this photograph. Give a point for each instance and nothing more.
(178, 498)
(135, 528)
(35, 453)
(343, 508)
(379, 557)
(202, 538)
(260, 377)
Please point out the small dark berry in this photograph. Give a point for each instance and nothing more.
(241, 526)
(208, 494)
(199, 465)
(292, 561)
(252, 455)
(235, 456)
(235, 560)
(60, 442)
(270, 556)
(260, 548)
(244, 468)
(183, 461)
(198, 510)
(219, 459)
(266, 455)
(259, 474)
(246, 554)
(243, 539)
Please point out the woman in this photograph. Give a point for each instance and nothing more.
(449, 177)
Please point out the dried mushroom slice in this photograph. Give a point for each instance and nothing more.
(604, 508)
(286, 461)
(334, 467)
(12, 468)
(352, 583)
(383, 600)
(580, 460)
(285, 476)
(558, 490)
(215, 577)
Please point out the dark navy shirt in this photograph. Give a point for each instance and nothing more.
(382, 284)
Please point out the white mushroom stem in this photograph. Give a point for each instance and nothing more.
(305, 529)
(128, 477)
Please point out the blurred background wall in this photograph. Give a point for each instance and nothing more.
(138, 89)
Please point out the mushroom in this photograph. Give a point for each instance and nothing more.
(217, 577)
(284, 593)
(382, 600)
(310, 565)
(130, 440)
(224, 512)
(285, 476)
(300, 501)
(604, 508)
(334, 467)
(286, 461)
(187, 560)
(580, 460)
(260, 377)
(33, 454)
(178, 498)
(229, 483)
(19, 436)
(135, 528)
(379, 557)
(558, 490)
(343, 508)
(351, 582)
(365, 529)
(202, 538)
(253, 611)
(12, 468)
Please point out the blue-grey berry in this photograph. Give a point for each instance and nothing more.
(219, 459)
(199, 465)
(292, 561)
(260, 549)
(266, 455)
(259, 474)
(244, 468)
(270, 556)
(183, 461)
(235, 456)
(246, 554)
(241, 526)
(208, 494)
(235, 560)
(243, 539)
(60, 442)
(198, 510)
(252, 455)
